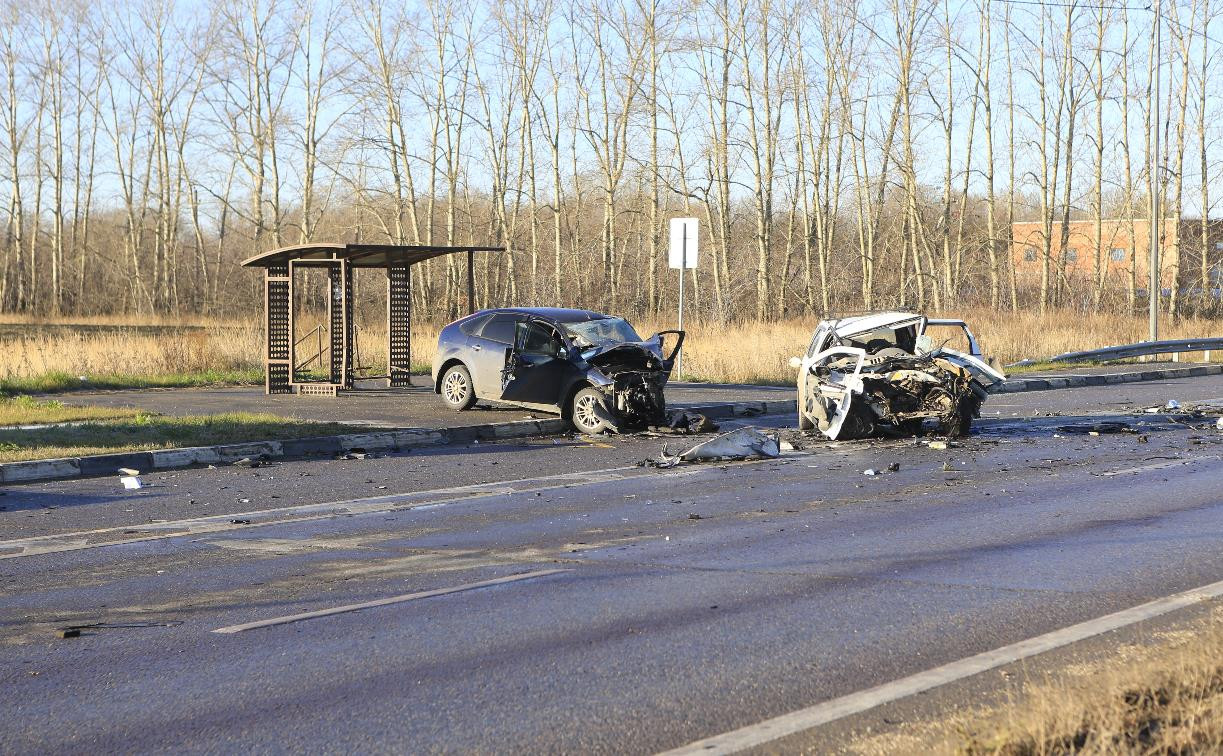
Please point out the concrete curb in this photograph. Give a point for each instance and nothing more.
(374, 441)
(1014, 385)
(411, 438)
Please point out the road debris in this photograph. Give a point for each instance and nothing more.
(239, 521)
(870, 472)
(68, 632)
(937, 445)
(742, 443)
(131, 482)
(683, 422)
(128, 471)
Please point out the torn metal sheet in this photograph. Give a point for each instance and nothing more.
(742, 443)
(883, 375)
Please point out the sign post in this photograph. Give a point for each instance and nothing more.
(682, 255)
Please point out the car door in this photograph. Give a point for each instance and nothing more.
(537, 368)
(486, 352)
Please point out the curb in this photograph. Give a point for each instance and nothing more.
(393, 440)
(1015, 385)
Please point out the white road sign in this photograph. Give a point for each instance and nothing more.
(683, 243)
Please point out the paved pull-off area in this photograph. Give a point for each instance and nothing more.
(554, 596)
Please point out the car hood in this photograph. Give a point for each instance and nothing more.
(628, 352)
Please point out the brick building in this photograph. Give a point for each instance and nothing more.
(1125, 243)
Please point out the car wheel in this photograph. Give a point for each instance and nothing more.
(457, 390)
(804, 422)
(587, 411)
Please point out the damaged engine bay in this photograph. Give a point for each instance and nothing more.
(635, 381)
(879, 375)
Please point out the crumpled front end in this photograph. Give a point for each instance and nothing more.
(893, 395)
(633, 377)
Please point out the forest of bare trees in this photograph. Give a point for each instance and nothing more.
(840, 155)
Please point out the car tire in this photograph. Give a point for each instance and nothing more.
(804, 422)
(458, 392)
(585, 414)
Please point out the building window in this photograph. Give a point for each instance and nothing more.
(1117, 254)
(1070, 255)
(1029, 254)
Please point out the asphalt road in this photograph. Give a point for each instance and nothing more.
(638, 609)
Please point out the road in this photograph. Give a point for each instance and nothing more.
(573, 601)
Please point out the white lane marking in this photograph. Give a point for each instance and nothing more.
(431, 499)
(384, 602)
(855, 703)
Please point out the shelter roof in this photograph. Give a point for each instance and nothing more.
(357, 255)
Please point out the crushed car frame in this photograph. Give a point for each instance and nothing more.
(885, 375)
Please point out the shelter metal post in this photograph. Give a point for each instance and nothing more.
(399, 325)
(471, 281)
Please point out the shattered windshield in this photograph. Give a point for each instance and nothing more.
(603, 332)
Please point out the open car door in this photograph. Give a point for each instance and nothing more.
(537, 365)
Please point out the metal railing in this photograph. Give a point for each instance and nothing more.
(322, 349)
(1141, 349)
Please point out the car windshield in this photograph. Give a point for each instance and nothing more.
(602, 332)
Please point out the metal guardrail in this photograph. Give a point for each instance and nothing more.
(1141, 349)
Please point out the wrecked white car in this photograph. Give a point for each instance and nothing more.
(888, 374)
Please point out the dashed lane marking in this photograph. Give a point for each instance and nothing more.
(386, 601)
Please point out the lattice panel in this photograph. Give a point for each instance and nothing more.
(350, 332)
(278, 379)
(278, 320)
(335, 309)
(399, 324)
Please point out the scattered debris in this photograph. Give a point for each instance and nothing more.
(1219, 423)
(894, 467)
(359, 453)
(240, 522)
(870, 472)
(1172, 405)
(131, 482)
(695, 516)
(68, 632)
(742, 443)
(685, 422)
(128, 471)
(938, 445)
(947, 467)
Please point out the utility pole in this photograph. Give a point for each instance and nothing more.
(1153, 288)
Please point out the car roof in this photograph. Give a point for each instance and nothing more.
(559, 314)
(867, 323)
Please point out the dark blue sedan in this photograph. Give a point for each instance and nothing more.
(591, 368)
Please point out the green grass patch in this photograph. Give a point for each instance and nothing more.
(59, 382)
(26, 410)
(144, 431)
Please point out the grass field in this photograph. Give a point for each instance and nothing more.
(35, 358)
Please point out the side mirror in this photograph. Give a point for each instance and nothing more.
(796, 362)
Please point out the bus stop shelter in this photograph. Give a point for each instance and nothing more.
(340, 261)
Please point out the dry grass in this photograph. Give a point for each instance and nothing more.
(1160, 697)
(746, 352)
